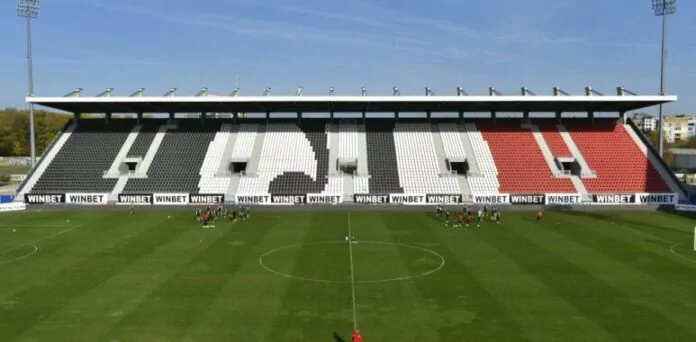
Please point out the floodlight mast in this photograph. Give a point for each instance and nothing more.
(29, 9)
(663, 8)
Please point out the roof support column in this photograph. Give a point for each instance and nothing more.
(107, 117)
(461, 117)
(591, 116)
(558, 117)
(494, 115)
(77, 116)
(268, 116)
(364, 114)
(622, 115)
(299, 115)
(396, 116)
(204, 116)
(139, 116)
(171, 115)
(429, 115)
(525, 115)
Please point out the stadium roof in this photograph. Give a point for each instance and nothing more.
(592, 101)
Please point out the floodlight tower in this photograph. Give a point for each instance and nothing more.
(663, 8)
(29, 9)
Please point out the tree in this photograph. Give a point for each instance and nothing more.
(14, 130)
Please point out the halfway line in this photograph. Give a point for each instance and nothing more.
(352, 274)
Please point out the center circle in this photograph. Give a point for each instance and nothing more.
(372, 263)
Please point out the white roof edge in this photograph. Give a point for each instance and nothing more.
(358, 99)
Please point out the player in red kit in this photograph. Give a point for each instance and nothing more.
(356, 336)
(460, 220)
(540, 214)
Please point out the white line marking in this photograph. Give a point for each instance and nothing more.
(368, 281)
(671, 249)
(21, 257)
(33, 243)
(352, 274)
(43, 238)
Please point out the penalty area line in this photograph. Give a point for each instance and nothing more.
(33, 243)
(352, 274)
(21, 257)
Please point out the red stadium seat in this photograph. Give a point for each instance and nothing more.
(521, 166)
(620, 165)
(553, 138)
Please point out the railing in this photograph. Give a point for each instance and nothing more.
(356, 174)
(450, 173)
(247, 174)
(45, 152)
(661, 161)
(588, 173)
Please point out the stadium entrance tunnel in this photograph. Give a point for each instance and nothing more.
(568, 166)
(462, 168)
(373, 262)
(237, 167)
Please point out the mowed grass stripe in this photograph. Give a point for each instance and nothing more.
(667, 226)
(168, 311)
(395, 304)
(384, 309)
(15, 235)
(589, 281)
(314, 311)
(33, 218)
(466, 309)
(52, 293)
(65, 250)
(90, 315)
(251, 300)
(650, 255)
(640, 241)
(646, 288)
(538, 310)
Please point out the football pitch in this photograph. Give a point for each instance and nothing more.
(292, 276)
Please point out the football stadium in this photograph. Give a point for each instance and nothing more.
(322, 226)
(349, 217)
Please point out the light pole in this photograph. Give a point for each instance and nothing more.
(29, 9)
(663, 8)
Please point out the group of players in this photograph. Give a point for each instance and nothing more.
(208, 215)
(467, 217)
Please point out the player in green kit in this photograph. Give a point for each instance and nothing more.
(447, 217)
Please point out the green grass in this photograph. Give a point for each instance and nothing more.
(110, 276)
(6, 169)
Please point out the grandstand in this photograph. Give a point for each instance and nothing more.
(330, 160)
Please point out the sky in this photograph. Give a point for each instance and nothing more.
(346, 44)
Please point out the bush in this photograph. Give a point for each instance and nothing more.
(4, 179)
